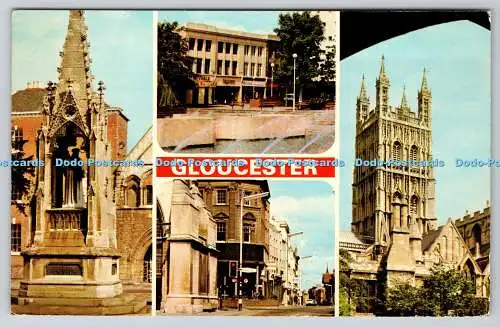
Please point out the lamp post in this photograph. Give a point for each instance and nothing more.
(288, 236)
(294, 58)
(272, 78)
(300, 270)
(240, 273)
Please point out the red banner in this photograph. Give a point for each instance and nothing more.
(237, 167)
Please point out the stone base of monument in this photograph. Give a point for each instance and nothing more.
(124, 304)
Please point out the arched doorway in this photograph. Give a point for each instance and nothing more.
(147, 273)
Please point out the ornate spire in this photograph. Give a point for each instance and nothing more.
(382, 74)
(74, 71)
(362, 91)
(404, 101)
(424, 81)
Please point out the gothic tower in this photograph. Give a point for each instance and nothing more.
(393, 205)
(72, 257)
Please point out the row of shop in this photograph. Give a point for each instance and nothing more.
(216, 90)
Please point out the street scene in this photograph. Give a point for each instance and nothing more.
(246, 82)
(244, 247)
(416, 239)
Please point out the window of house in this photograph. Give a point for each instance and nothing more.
(200, 45)
(221, 197)
(252, 69)
(245, 69)
(191, 44)
(259, 70)
(247, 232)
(15, 237)
(235, 65)
(221, 231)
(198, 65)
(235, 48)
(219, 67)
(253, 50)
(17, 138)
(259, 51)
(16, 193)
(247, 50)
(220, 47)
(208, 45)
(148, 190)
(207, 66)
(228, 47)
(247, 202)
(226, 67)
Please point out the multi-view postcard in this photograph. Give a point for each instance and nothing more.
(312, 163)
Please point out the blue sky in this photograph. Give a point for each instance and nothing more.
(308, 206)
(457, 56)
(262, 22)
(121, 48)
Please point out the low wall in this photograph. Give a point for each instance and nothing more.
(185, 131)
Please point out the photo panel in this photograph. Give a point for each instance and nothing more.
(81, 197)
(246, 82)
(415, 215)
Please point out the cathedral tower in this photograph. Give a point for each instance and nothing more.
(393, 203)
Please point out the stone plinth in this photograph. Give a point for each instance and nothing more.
(186, 131)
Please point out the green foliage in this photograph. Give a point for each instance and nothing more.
(174, 66)
(302, 33)
(20, 176)
(445, 292)
(344, 306)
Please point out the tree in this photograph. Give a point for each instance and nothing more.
(20, 175)
(446, 291)
(174, 66)
(300, 33)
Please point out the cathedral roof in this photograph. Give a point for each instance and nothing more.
(349, 237)
(28, 100)
(429, 238)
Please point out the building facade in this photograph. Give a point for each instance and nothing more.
(186, 253)
(230, 66)
(69, 238)
(223, 202)
(394, 236)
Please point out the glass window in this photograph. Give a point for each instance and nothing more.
(207, 66)
(247, 50)
(149, 195)
(221, 231)
(235, 48)
(15, 237)
(247, 231)
(253, 50)
(228, 47)
(208, 45)
(17, 138)
(259, 52)
(259, 70)
(198, 65)
(245, 70)
(252, 69)
(200, 45)
(235, 65)
(220, 47)
(219, 67)
(221, 197)
(191, 44)
(226, 67)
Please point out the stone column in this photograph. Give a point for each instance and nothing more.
(396, 216)
(404, 216)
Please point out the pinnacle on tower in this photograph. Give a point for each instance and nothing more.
(404, 101)
(382, 74)
(424, 81)
(75, 61)
(362, 92)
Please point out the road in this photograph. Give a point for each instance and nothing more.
(290, 311)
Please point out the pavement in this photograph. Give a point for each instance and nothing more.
(288, 311)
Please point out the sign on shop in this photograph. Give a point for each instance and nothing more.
(206, 81)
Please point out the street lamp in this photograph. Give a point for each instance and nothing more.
(300, 270)
(294, 58)
(240, 273)
(288, 236)
(272, 78)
